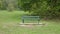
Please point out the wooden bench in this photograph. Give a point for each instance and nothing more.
(30, 18)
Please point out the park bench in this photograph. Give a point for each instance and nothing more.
(30, 18)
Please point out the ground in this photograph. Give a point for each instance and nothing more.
(9, 24)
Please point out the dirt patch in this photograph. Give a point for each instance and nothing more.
(31, 25)
(2, 32)
(8, 25)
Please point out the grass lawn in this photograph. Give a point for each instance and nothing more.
(9, 22)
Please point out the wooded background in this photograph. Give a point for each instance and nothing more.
(43, 8)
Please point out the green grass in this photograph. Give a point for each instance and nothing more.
(10, 20)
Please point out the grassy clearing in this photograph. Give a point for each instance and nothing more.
(10, 16)
(10, 20)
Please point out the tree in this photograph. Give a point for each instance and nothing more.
(2, 5)
(8, 4)
(43, 8)
(11, 5)
(54, 8)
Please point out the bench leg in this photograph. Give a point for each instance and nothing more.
(23, 20)
(38, 21)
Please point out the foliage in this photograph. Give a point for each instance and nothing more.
(8, 5)
(43, 8)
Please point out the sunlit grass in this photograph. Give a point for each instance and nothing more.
(9, 22)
